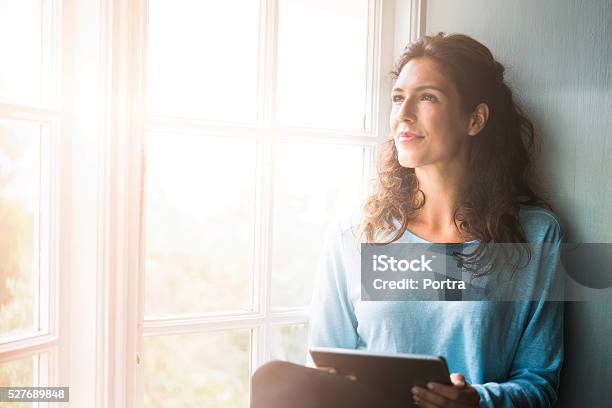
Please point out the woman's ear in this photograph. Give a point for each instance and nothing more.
(478, 119)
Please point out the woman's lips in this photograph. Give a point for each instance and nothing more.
(406, 137)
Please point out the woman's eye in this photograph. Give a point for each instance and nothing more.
(429, 97)
(424, 97)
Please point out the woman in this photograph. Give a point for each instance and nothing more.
(456, 169)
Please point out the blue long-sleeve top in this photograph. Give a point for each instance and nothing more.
(510, 352)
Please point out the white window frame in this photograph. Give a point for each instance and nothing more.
(49, 341)
(73, 111)
(121, 326)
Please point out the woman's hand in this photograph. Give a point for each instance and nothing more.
(459, 395)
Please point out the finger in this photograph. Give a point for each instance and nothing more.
(465, 394)
(450, 392)
(430, 397)
(423, 404)
(458, 379)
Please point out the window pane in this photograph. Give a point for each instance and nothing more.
(322, 49)
(21, 50)
(18, 373)
(197, 370)
(313, 182)
(290, 343)
(19, 206)
(203, 59)
(200, 224)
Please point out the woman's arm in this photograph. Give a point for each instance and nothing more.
(332, 317)
(534, 376)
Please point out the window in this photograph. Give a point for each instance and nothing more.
(258, 131)
(167, 173)
(29, 199)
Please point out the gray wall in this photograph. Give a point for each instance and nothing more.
(558, 59)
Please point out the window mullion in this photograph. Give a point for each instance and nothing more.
(51, 54)
(28, 113)
(372, 66)
(34, 344)
(200, 324)
(267, 77)
(120, 292)
(194, 126)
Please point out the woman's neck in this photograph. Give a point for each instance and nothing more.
(442, 188)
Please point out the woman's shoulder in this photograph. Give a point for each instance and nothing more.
(346, 223)
(540, 224)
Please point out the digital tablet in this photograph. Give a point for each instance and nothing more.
(391, 375)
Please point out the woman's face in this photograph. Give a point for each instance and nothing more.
(427, 123)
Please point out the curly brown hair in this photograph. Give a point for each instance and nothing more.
(500, 163)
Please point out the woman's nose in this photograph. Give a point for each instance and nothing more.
(406, 112)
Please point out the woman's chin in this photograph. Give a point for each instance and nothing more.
(407, 161)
